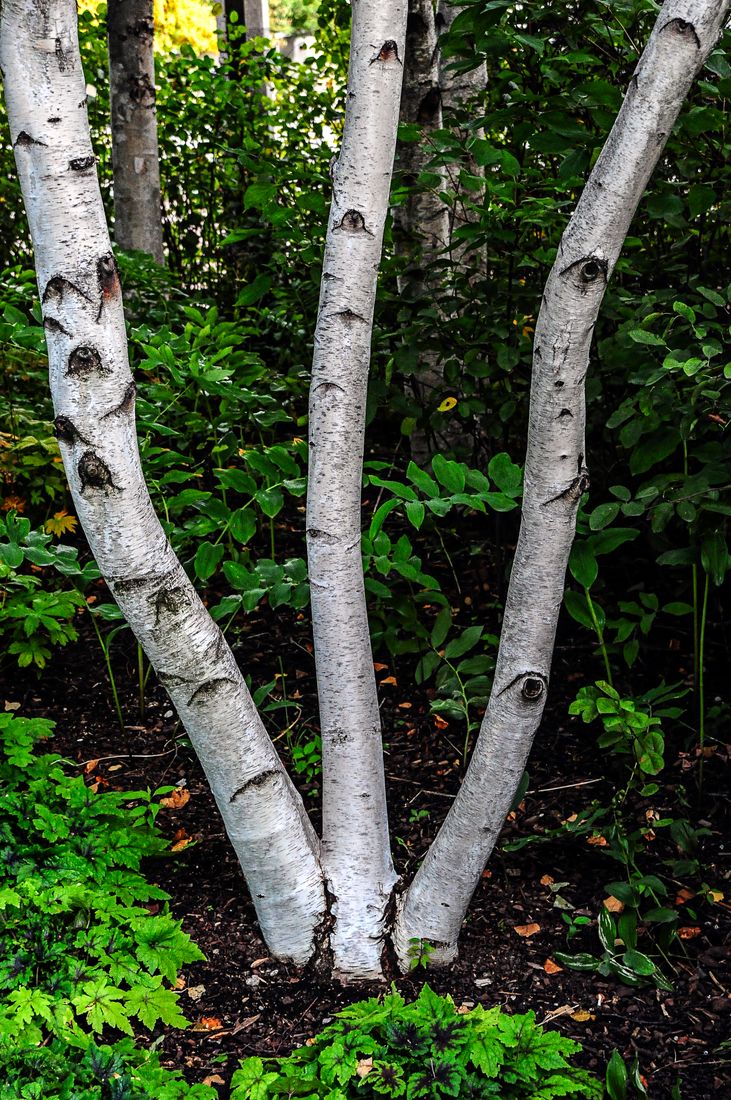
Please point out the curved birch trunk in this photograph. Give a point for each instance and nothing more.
(555, 473)
(135, 158)
(459, 92)
(355, 846)
(93, 396)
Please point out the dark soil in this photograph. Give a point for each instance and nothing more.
(242, 1002)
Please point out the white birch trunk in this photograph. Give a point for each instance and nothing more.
(555, 475)
(93, 395)
(355, 846)
(135, 158)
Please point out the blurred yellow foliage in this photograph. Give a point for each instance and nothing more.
(179, 23)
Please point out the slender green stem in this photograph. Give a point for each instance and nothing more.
(141, 678)
(696, 618)
(701, 685)
(112, 681)
(600, 636)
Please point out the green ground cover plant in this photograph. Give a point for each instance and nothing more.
(427, 1049)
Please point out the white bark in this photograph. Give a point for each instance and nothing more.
(93, 395)
(555, 474)
(356, 853)
(135, 158)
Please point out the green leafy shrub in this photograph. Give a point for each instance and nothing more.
(427, 1049)
(80, 947)
(121, 1072)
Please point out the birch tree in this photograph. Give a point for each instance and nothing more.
(94, 396)
(135, 157)
(355, 820)
(556, 472)
(312, 896)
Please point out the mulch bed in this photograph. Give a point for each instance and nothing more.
(241, 1002)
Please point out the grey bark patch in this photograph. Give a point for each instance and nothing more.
(67, 432)
(50, 324)
(64, 55)
(85, 360)
(24, 140)
(170, 600)
(126, 403)
(257, 781)
(203, 693)
(82, 164)
(58, 286)
(533, 685)
(683, 28)
(322, 536)
(387, 52)
(94, 473)
(353, 221)
(107, 274)
(349, 316)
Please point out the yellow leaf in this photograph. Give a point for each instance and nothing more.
(61, 523)
(447, 404)
(581, 1016)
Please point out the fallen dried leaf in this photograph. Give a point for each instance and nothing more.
(388, 680)
(179, 982)
(526, 930)
(364, 1067)
(379, 667)
(581, 1016)
(114, 768)
(181, 840)
(11, 706)
(688, 933)
(213, 1079)
(207, 1023)
(440, 722)
(406, 706)
(715, 895)
(551, 967)
(260, 962)
(90, 766)
(196, 992)
(614, 905)
(683, 895)
(176, 799)
(597, 841)
(547, 880)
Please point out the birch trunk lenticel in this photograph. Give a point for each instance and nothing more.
(355, 843)
(93, 395)
(135, 158)
(556, 475)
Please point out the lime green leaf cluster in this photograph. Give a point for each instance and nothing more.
(430, 1049)
(81, 949)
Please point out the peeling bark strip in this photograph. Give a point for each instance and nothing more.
(433, 908)
(356, 851)
(93, 395)
(135, 157)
